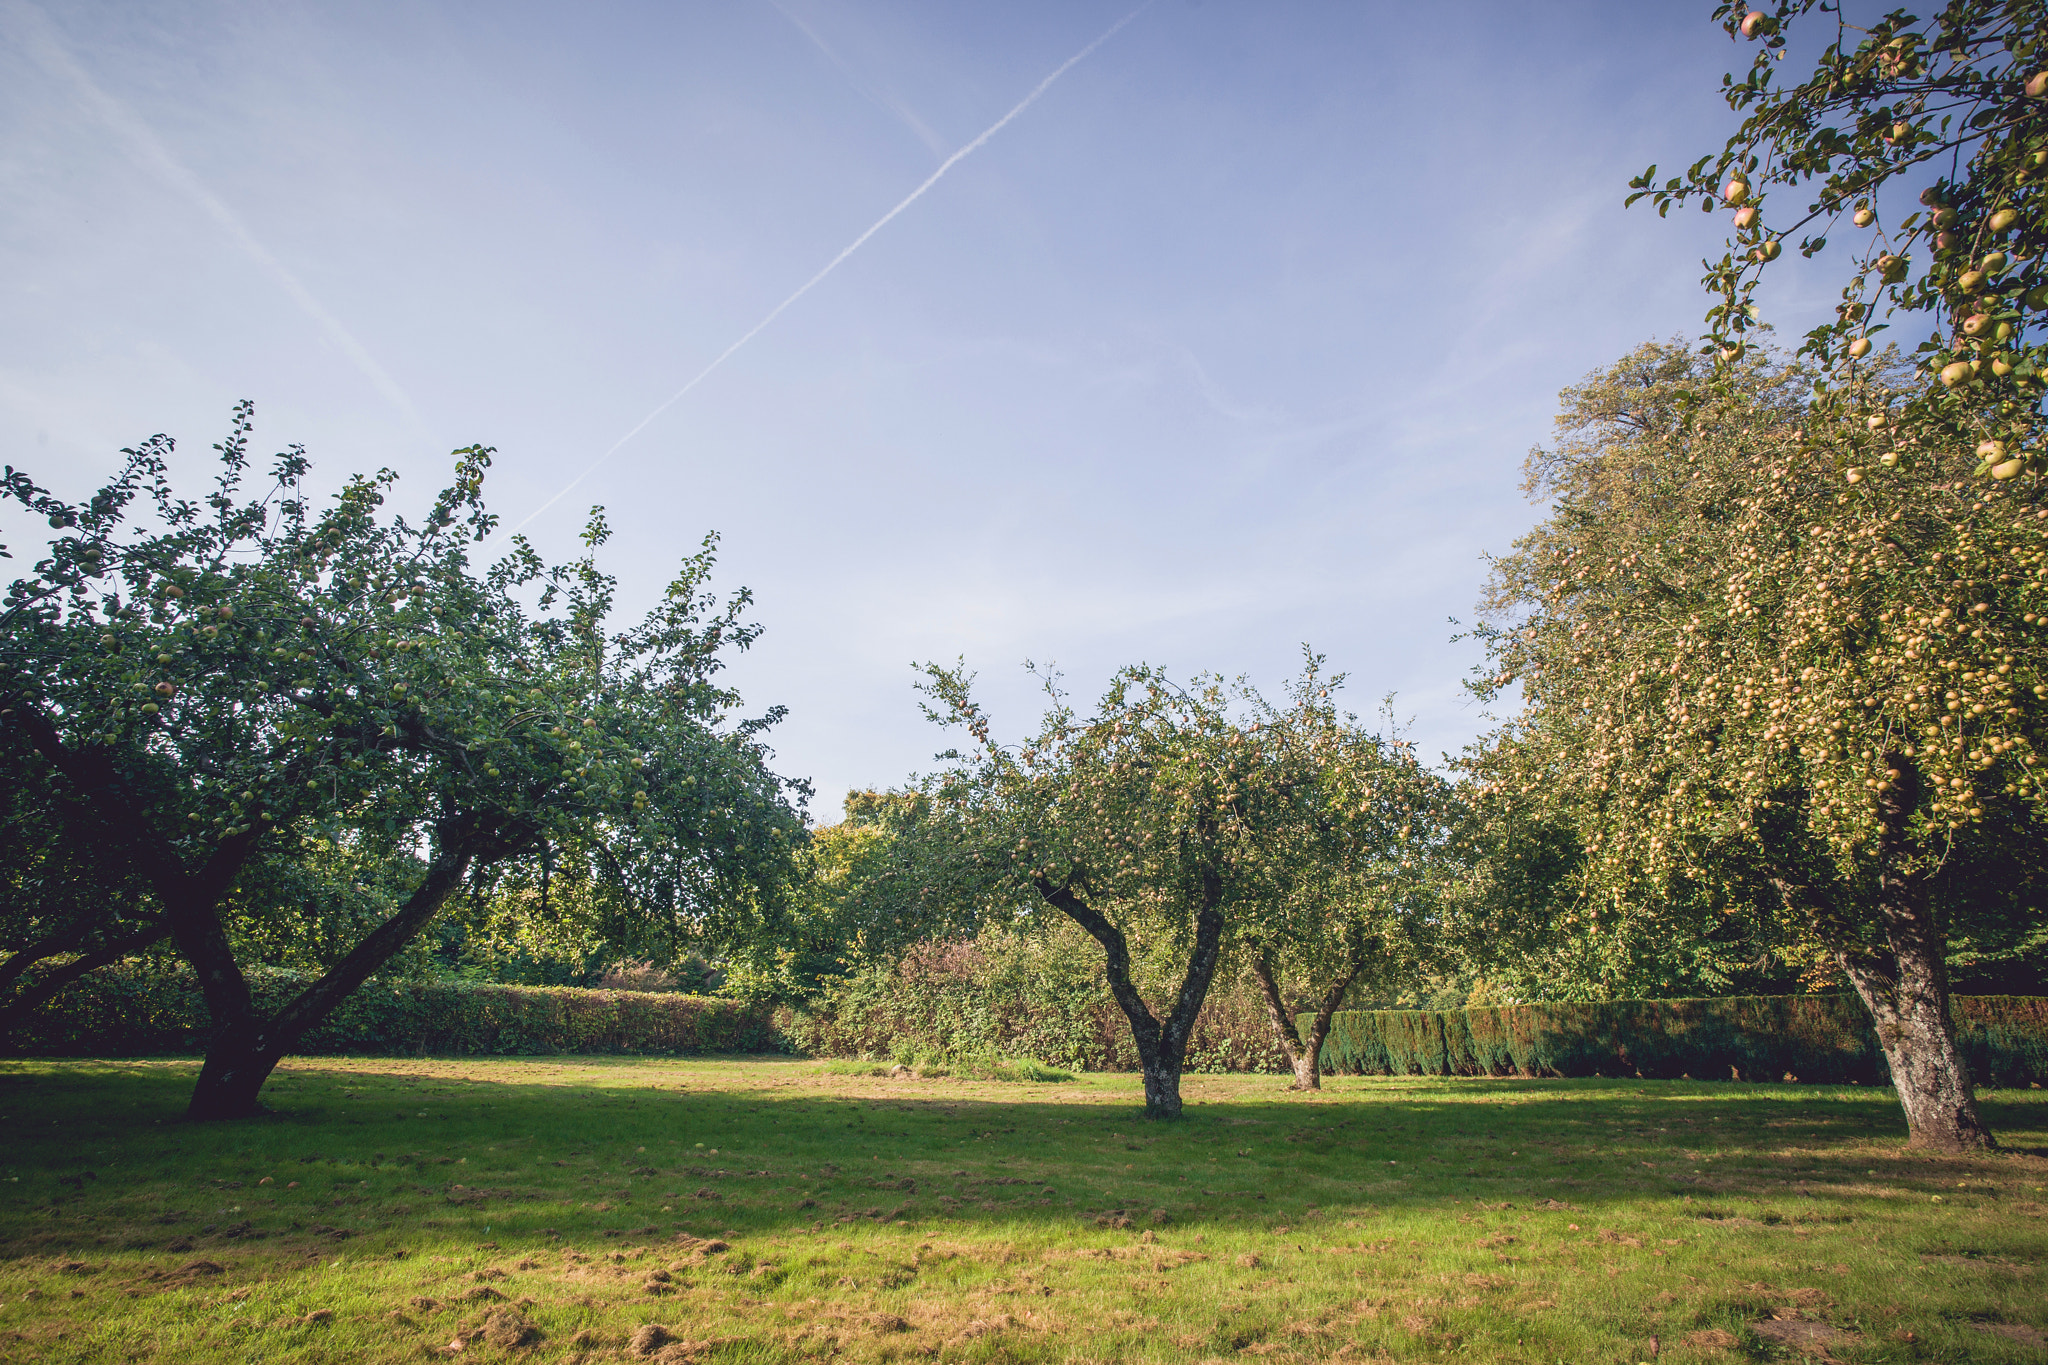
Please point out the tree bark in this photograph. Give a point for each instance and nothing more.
(1304, 1055)
(45, 987)
(1162, 1045)
(1905, 986)
(245, 1049)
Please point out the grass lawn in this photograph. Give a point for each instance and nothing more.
(766, 1210)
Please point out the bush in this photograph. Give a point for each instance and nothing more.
(137, 1010)
(1817, 1038)
(1041, 995)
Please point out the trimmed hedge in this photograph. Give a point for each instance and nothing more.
(130, 1011)
(1827, 1039)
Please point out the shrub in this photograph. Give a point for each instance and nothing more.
(1817, 1038)
(136, 1010)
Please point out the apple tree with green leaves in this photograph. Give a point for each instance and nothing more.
(1785, 663)
(1353, 875)
(1186, 824)
(1924, 142)
(224, 678)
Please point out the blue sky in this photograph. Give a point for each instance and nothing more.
(1234, 340)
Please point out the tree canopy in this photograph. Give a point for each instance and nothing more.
(238, 673)
(1777, 662)
(1952, 108)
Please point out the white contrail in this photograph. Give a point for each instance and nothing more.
(948, 164)
(42, 42)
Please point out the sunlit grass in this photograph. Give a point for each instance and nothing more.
(550, 1209)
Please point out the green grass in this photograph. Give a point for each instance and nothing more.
(390, 1207)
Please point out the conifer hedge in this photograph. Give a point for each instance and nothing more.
(1824, 1039)
(132, 1010)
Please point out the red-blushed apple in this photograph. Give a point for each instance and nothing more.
(1859, 348)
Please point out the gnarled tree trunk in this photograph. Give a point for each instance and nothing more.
(1162, 1044)
(1304, 1054)
(246, 1048)
(1905, 984)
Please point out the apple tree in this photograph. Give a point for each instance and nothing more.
(1167, 823)
(1951, 110)
(1350, 878)
(224, 678)
(1792, 661)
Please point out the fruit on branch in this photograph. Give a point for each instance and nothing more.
(1863, 217)
(1737, 191)
(2004, 219)
(1745, 215)
(1859, 348)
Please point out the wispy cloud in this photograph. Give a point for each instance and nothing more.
(869, 90)
(32, 32)
(948, 164)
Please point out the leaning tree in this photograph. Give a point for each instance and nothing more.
(1795, 658)
(218, 680)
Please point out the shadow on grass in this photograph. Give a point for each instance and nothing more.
(396, 1152)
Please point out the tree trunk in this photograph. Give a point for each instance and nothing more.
(245, 1048)
(1905, 986)
(1304, 1055)
(1162, 1047)
(19, 1006)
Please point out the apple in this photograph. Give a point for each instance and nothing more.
(1975, 324)
(167, 689)
(2037, 85)
(1889, 458)
(2004, 219)
(1737, 191)
(2008, 469)
(1863, 217)
(1991, 450)
(1745, 215)
(1756, 22)
(1891, 268)
(1875, 421)
(1859, 348)
(1994, 263)
(2000, 366)
(1971, 281)
(1944, 241)
(1955, 372)
(1770, 250)
(1854, 476)
(1943, 217)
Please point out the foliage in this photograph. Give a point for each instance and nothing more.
(1816, 1038)
(1177, 819)
(140, 1010)
(1357, 903)
(1895, 101)
(1040, 992)
(247, 675)
(880, 882)
(1760, 688)
(1725, 652)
